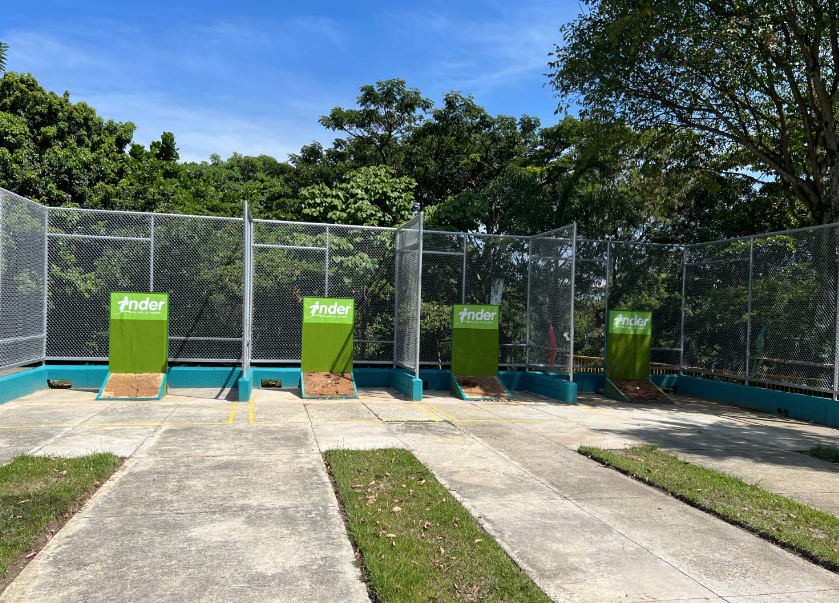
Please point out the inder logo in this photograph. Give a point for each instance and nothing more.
(473, 316)
(632, 323)
(139, 306)
(323, 309)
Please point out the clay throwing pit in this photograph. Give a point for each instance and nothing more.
(640, 390)
(484, 387)
(328, 385)
(133, 386)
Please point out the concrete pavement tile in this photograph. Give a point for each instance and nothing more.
(355, 436)
(46, 415)
(574, 476)
(823, 501)
(575, 557)
(399, 411)
(213, 412)
(509, 436)
(256, 556)
(274, 412)
(134, 413)
(434, 433)
(23, 441)
(79, 441)
(725, 559)
(469, 411)
(572, 437)
(823, 596)
(349, 411)
(232, 440)
(174, 485)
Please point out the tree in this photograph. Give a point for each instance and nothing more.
(4, 48)
(757, 79)
(369, 196)
(386, 113)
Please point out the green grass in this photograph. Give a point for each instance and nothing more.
(417, 543)
(782, 520)
(36, 490)
(825, 453)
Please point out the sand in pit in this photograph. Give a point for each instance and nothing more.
(640, 389)
(133, 385)
(482, 386)
(328, 385)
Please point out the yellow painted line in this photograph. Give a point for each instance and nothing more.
(514, 421)
(435, 417)
(622, 418)
(232, 412)
(252, 403)
(440, 411)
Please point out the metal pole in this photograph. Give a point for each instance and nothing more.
(527, 318)
(836, 340)
(573, 295)
(463, 293)
(684, 289)
(2, 202)
(46, 282)
(151, 254)
(749, 310)
(246, 290)
(419, 293)
(396, 297)
(326, 267)
(606, 302)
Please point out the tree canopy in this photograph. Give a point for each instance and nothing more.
(755, 80)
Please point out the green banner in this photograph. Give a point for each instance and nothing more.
(139, 333)
(475, 339)
(327, 335)
(629, 340)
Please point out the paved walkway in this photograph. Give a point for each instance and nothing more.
(223, 501)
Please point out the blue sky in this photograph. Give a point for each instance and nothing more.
(254, 77)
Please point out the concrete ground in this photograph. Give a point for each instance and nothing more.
(230, 501)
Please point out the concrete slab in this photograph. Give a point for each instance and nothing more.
(79, 441)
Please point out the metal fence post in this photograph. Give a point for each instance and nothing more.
(684, 293)
(573, 295)
(463, 278)
(419, 292)
(151, 253)
(46, 281)
(836, 318)
(247, 289)
(749, 308)
(326, 266)
(527, 321)
(396, 261)
(606, 300)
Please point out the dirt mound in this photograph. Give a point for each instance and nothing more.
(482, 386)
(133, 385)
(328, 385)
(640, 389)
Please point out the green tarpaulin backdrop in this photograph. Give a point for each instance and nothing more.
(139, 335)
(327, 335)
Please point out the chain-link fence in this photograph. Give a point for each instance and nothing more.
(408, 294)
(759, 310)
(550, 301)
(198, 261)
(293, 260)
(22, 291)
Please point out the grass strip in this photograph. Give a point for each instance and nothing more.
(35, 491)
(418, 544)
(825, 453)
(811, 533)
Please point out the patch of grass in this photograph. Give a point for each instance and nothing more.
(812, 533)
(825, 453)
(417, 543)
(36, 490)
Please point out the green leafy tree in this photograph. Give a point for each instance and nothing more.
(369, 196)
(386, 113)
(757, 79)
